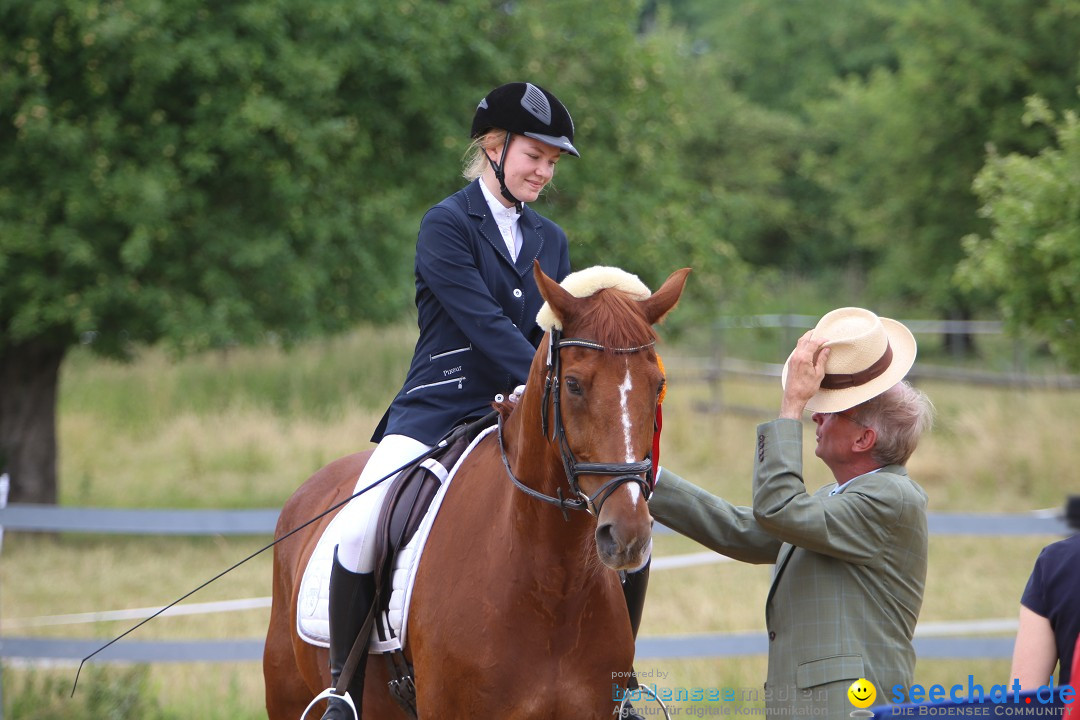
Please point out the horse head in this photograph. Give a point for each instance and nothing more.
(601, 383)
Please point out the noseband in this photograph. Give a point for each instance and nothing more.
(622, 472)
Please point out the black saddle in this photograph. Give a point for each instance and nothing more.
(411, 492)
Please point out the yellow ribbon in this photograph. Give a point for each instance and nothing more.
(663, 391)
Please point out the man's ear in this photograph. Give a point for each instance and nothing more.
(866, 441)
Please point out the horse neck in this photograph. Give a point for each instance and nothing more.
(536, 462)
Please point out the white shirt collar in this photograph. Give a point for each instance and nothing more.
(504, 216)
(841, 488)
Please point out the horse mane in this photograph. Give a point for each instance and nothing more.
(613, 319)
(609, 317)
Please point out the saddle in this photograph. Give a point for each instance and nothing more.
(406, 503)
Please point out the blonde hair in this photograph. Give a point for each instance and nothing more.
(476, 159)
(899, 416)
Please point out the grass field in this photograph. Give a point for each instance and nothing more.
(242, 429)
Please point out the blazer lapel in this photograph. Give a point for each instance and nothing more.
(532, 242)
(486, 225)
(490, 230)
(781, 560)
(787, 549)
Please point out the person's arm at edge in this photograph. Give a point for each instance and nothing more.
(1035, 651)
(712, 521)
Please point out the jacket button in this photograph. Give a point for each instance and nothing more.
(772, 635)
(517, 292)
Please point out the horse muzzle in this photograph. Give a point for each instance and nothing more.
(623, 542)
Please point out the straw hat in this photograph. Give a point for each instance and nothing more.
(868, 355)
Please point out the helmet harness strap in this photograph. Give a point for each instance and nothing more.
(500, 175)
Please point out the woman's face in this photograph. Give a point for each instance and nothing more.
(530, 165)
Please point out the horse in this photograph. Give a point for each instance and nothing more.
(517, 609)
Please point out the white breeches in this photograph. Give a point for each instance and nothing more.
(356, 546)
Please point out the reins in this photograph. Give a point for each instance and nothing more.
(623, 472)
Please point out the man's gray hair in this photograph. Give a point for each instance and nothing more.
(899, 416)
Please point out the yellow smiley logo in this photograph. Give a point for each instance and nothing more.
(862, 693)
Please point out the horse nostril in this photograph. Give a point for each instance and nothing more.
(605, 539)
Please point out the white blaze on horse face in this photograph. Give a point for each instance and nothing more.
(624, 404)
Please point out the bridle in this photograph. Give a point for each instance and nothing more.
(621, 473)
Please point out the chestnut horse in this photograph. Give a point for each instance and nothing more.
(511, 614)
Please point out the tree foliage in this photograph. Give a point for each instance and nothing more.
(780, 58)
(905, 143)
(650, 192)
(1030, 258)
(784, 55)
(203, 175)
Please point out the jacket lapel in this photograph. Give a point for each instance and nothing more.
(781, 560)
(787, 549)
(532, 242)
(485, 223)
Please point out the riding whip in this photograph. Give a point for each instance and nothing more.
(487, 419)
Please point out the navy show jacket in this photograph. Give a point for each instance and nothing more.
(476, 311)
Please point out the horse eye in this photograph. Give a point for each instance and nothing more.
(660, 388)
(573, 386)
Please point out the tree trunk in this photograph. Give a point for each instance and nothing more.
(958, 344)
(29, 378)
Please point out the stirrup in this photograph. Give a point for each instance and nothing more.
(643, 688)
(330, 693)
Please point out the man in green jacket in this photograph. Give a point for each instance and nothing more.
(851, 557)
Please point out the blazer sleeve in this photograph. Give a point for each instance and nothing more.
(854, 525)
(712, 521)
(445, 260)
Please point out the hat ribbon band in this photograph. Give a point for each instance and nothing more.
(839, 381)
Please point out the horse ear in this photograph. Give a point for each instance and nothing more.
(558, 299)
(660, 303)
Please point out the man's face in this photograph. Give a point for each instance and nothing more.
(836, 434)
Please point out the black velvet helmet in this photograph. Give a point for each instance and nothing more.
(529, 110)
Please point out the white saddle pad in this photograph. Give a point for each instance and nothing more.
(313, 614)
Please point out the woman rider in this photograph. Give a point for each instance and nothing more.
(476, 304)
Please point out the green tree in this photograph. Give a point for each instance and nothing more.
(659, 185)
(208, 174)
(906, 142)
(1030, 258)
(779, 57)
(782, 55)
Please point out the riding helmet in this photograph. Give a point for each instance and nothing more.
(529, 110)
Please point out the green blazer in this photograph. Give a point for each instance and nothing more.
(849, 577)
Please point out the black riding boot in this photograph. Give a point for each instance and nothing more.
(634, 586)
(351, 596)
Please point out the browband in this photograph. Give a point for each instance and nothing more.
(839, 381)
